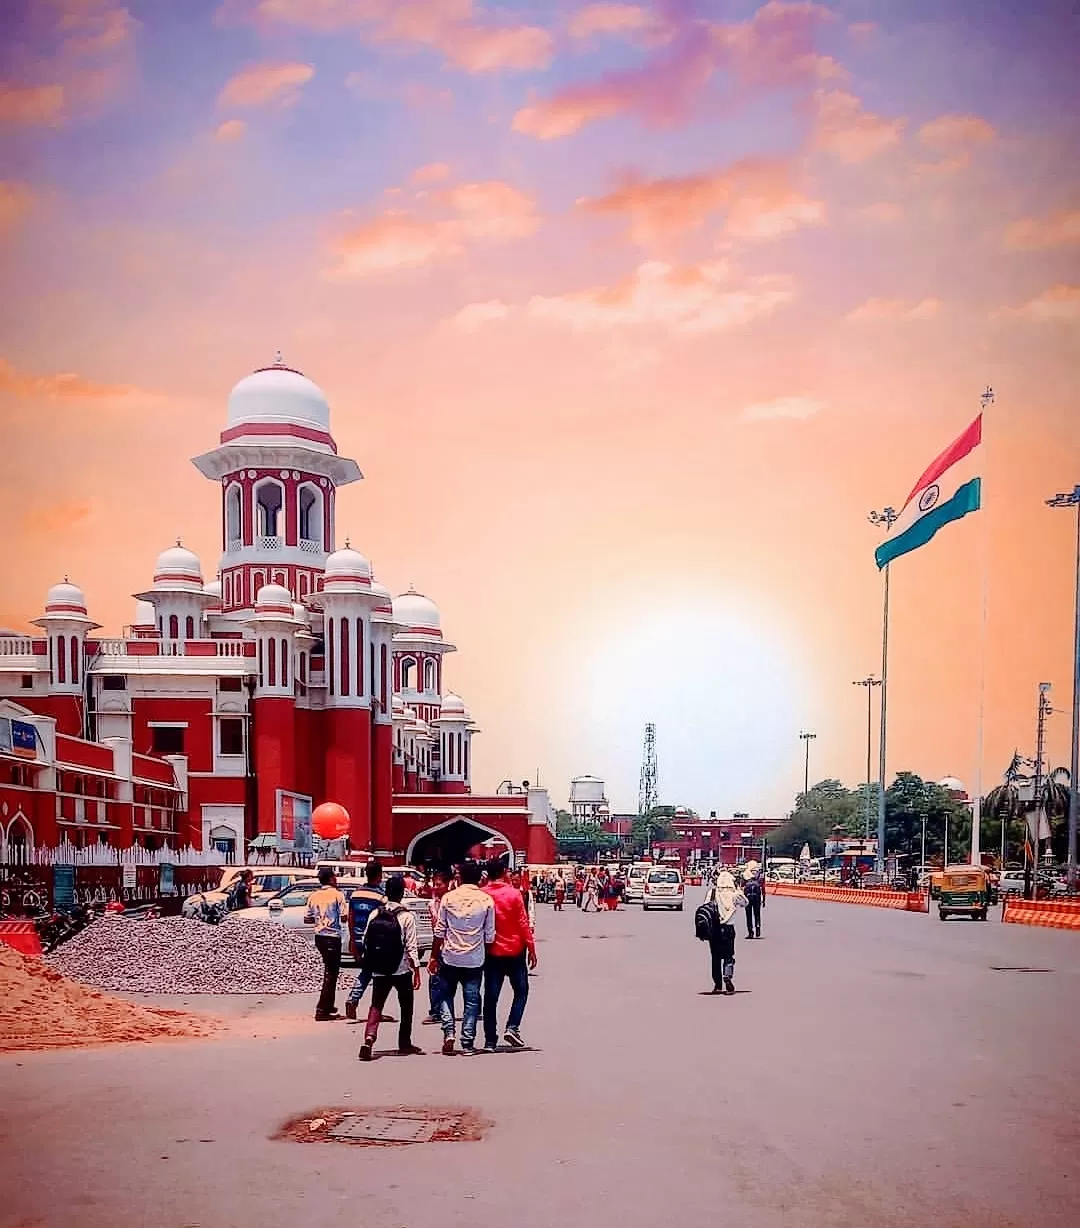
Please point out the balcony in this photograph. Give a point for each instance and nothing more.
(269, 543)
(308, 546)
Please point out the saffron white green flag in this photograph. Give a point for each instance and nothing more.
(948, 490)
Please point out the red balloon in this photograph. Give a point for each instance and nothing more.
(330, 821)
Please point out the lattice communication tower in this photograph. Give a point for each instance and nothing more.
(649, 787)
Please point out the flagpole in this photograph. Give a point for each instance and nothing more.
(976, 803)
(886, 517)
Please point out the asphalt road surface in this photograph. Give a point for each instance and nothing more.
(875, 1069)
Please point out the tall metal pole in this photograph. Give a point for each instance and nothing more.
(869, 682)
(807, 739)
(886, 517)
(1073, 500)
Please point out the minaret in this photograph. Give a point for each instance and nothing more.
(382, 720)
(178, 596)
(455, 750)
(279, 471)
(66, 625)
(419, 648)
(347, 603)
(274, 704)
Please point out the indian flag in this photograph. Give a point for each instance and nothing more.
(947, 491)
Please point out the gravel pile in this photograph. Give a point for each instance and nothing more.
(177, 955)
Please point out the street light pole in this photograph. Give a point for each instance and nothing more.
(886, 517)
(807, 739)
(869, 682)
(1072, 499)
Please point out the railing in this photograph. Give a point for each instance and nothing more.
(268, 543)
(170, 648)
(236, 544)
(309, 546)
(67, 854)
(16, 646)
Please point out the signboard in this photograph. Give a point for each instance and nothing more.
(23, 739)
(63, 887)
(166, 878)
(294, 823)
(130, 877)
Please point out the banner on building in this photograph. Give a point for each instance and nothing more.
(293, 823)
(18, 738)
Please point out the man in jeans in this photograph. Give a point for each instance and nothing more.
(326, 911)
(509, 957)
(362, 904)
(405, 979)
(465, 927)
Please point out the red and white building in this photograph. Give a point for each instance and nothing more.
(229, 709)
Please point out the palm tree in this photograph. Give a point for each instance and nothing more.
(1003, 802)
(1055, 803)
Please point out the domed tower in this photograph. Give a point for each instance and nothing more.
(347, 603)
(382, 719)
(419, 647)
(279, 470)
(178, 596)
(66, 625)
(456, 728)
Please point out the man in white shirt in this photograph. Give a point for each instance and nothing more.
(464, 930)
(404, 978)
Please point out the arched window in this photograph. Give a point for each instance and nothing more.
(61, 659)
(330, 653)
(371, 668)
(262, 674)
(281, 578)
(258, 579)
(408, 673)
(74, 658)
(174, 627)
(359, 656)
(345, 656)
(450, 757)
(382, 671)
(189, 627)
(465, 760)
(233, 528)
(269, 500)
(309, 510)
(429, 675)
(303, 587)
(271, 662)
(284, 662)
(303, 673)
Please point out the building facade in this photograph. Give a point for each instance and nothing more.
(228, 709)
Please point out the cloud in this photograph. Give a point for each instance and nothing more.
(31, 104)
(49, 519)
(1031, 234)
(798, 408)
(610, 18)
(475, 315)
(1060, 303)
(16, 201)
(416, 95)
(445, 224)
(688, 300)
(895, 309)
(458, 29)
(266, 84)
(230, 130)
(774, 49)
(950, 132)
(884, 211)
(844, 129)
(756, 196)
(64, 386)
(433, 172)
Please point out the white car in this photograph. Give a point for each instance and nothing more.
(267, 882)
(635, 884)
(663, 889)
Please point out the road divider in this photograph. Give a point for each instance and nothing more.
(901, 901)
(1058, 915)
(21, 936)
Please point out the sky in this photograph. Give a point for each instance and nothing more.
(630, 314)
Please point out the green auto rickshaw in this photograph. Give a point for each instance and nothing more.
(965, 891)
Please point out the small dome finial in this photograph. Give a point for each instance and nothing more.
(348, 544)
(278, 359)
(66, 580)
(178, 541)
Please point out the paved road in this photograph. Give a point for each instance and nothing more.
(874, 1071)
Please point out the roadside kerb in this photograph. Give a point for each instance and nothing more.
(1059, 915)
(902, 901)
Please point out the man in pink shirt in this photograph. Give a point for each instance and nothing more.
(509, 957)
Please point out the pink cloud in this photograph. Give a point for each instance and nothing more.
(266, 84)
(16, 201)
(1040, 233)
(475, 316)
(491, 210)
(1058, 304)
(950, 132)
(610, 18)
(895, 310)
(882, 211)
(230, 130)
(844, 129)
(433, 172)
(688, 300)
(31, 104)
(63, 386)
(756, 195)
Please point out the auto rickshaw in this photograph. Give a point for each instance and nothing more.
(966, 891)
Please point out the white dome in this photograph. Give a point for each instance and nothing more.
(300, 613)
(453, 708)
(274, 597)
(65, 598)
(278, 394)
(178, 567)
(213, 588)
(417, 613)
(386, 602)
(347, 564)
(951, 785)
(145, 615)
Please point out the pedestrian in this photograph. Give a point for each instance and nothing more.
(392, 957)
(440, 884)
(239, 894)
(510, 957)
(519, 882)
(727, 898)
(560, 892)
(592, 892)
(579, 888)
(754, 890)
(465, 927)
(326, 909)
(362, 903)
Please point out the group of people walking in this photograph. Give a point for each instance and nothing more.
(483, 938)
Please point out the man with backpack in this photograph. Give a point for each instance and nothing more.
(464, 930)
(713, 924)
(362, 903)
(326, 910)
(392, 960)
(754, 890)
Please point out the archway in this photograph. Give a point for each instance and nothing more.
(449, 843)
(18, 842)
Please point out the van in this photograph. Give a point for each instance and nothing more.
(635, 882)
(663, 889)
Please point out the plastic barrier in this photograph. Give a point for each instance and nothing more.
(1058, 915)
(902, 901)
(21, 935)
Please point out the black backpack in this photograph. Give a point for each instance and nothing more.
(384, 943)
(705, 918)
(752, 890)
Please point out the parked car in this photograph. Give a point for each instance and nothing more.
(268, 881)
(663, 889)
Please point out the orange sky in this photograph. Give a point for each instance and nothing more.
(629, 315)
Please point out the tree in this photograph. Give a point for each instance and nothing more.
(646, 830)
(803, 827)
(563, 821)
(908, 801)
(584, 841)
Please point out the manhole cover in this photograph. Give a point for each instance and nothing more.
(395, 1126)
(379, 1129)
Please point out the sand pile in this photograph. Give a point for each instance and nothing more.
(40, 1009)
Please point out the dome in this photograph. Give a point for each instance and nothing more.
(178, 567)
(274, 599)
(299, 612)
(453, 707)
(278, 394)
(65, 598)
(213, 589)
(417, 613)
(385, 604)
(347, 565)
(951, 785)
(145, 615)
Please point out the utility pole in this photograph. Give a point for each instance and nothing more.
(1072, 499)
(1045, 710)
(649, 783)
(807, 739)
(887, 517)
(869, 682)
